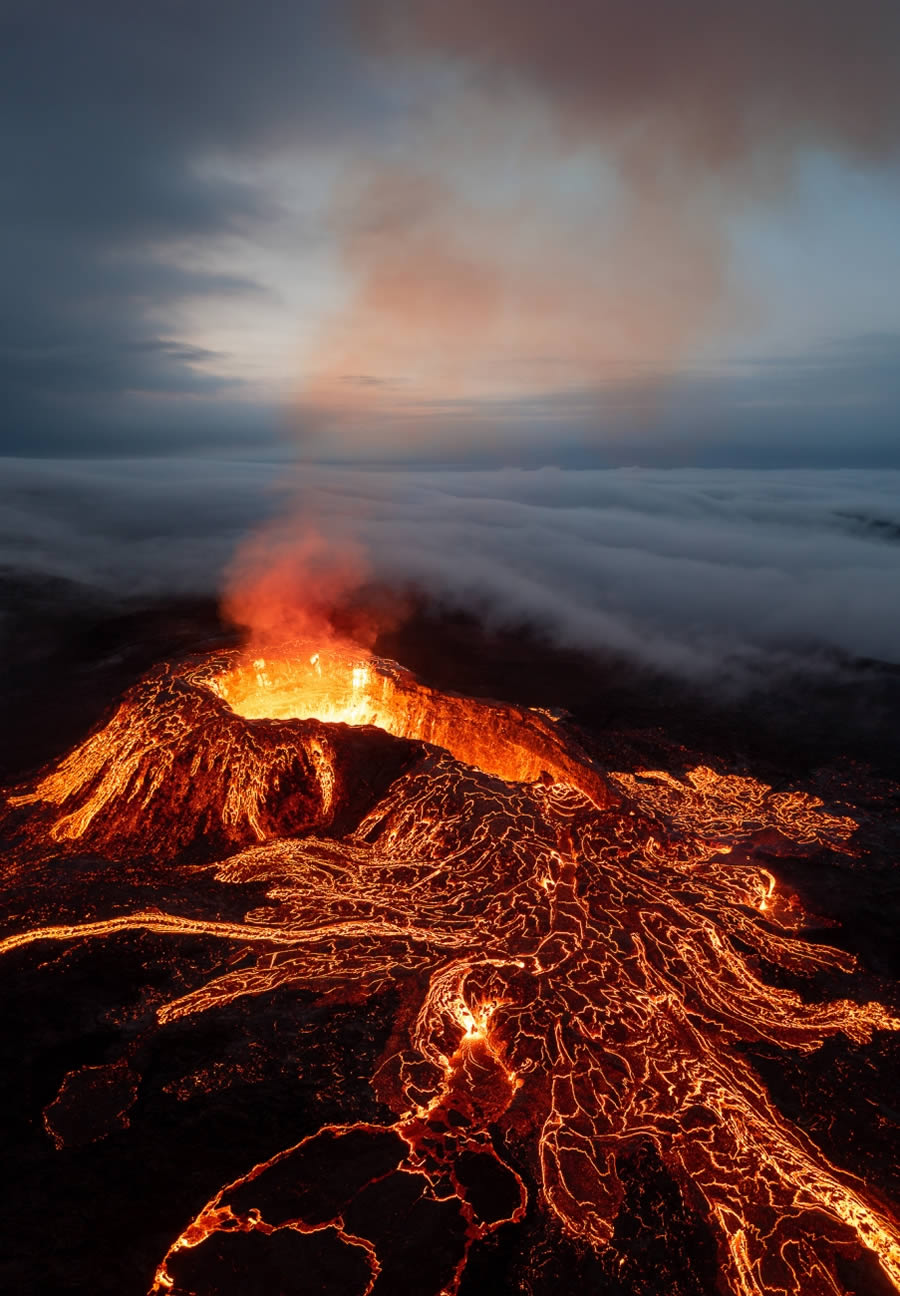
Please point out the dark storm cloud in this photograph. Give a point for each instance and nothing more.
(81, 358)
(719, 576)
(109, 116)
(108, 107)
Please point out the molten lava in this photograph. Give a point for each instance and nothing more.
(516, 744)
(583, 959)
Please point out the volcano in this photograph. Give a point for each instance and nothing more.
(557, 980)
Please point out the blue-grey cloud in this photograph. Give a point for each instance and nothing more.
(112, 120)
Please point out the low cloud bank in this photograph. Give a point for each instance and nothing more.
(143, 528)
(716, 575)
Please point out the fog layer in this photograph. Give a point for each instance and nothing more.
(704, 574)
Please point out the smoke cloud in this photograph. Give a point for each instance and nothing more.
(716, 85)
(457, 297)
(562, 217)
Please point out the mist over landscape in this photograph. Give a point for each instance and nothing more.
(716, 576)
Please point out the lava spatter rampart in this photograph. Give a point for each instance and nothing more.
(584, 954)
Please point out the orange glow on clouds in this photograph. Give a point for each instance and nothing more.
(285, 584)
(454, 301)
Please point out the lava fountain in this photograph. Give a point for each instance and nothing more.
(583, 959)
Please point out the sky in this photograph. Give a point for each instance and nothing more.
(493, 234)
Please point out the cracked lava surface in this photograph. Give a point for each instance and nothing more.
(582, 956)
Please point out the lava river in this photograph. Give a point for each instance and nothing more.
(584, 959)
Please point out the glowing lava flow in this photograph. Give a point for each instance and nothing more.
(584, 953)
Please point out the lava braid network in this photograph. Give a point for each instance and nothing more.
(581, 960)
